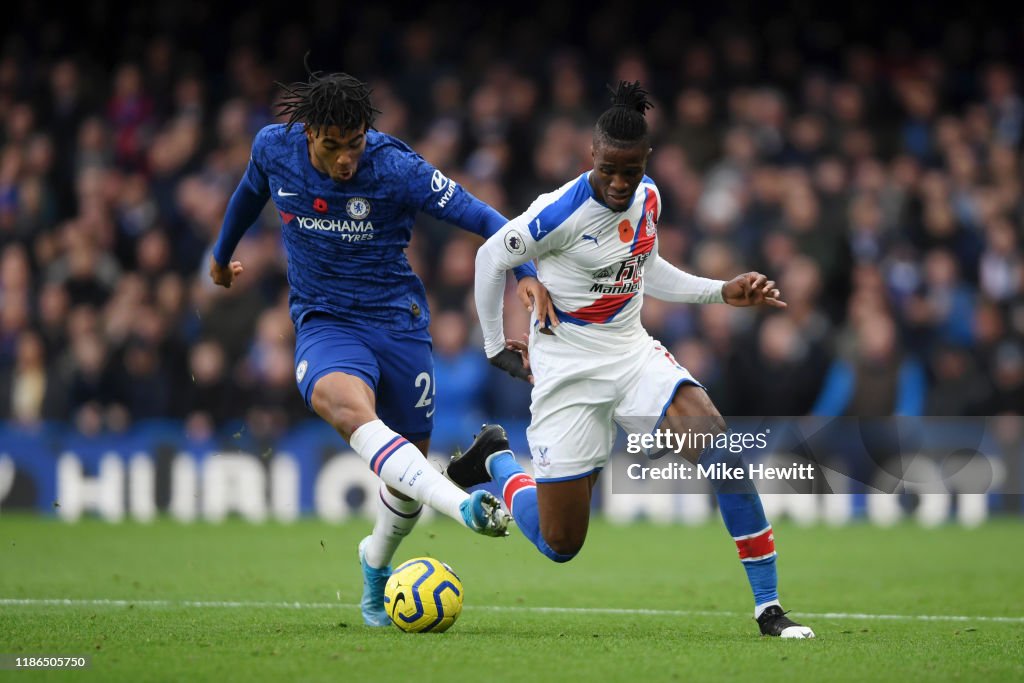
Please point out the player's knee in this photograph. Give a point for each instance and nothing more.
(718, 425)
(692, 411)
(712, 425)
(340, 410)
(563, 545)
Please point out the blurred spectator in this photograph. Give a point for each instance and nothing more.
(1008, 379)
(144, 389)
(91, 382)
(230, 315)
(211, 398)
(1002, 266)
(266, 375)
(695, 131)
(1004, 104)
(25, 384)
(454, 280)
(780, 373)
(461, 376)
(130, 112)
(919, 102)
(65, 107)
(54, 305)
(87, 273)
(943, 310)
(957, 386)
(877, 380)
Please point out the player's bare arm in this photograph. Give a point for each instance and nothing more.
(752, 289)
(224, 275)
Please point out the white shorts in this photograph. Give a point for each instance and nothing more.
(579, 396)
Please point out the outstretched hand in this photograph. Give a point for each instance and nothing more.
(224, 275)
(535, 297)
(752, 289)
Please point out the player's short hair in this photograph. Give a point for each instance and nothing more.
(624, 124)
(335, 99)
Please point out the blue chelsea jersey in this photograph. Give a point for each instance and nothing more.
(346, 241)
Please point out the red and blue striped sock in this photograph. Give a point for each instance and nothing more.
(519, 491)
(743, 514)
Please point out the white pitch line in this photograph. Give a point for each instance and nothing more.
(251, 604)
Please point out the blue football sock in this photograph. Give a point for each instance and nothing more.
(741, 509)
(519, 491)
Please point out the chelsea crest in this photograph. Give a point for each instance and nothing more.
(358, 208)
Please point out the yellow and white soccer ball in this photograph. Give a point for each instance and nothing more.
(423, 595)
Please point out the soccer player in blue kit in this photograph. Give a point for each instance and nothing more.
(348, 196)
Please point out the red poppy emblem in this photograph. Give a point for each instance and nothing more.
(320, 205)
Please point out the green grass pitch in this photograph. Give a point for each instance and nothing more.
(173, 602)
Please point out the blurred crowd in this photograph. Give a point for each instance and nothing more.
(879, 183)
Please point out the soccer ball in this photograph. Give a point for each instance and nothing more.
(423, 595)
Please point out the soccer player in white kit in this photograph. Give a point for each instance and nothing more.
(595, 242)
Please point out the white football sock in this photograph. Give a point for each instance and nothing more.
(401, 466)
(395, 519)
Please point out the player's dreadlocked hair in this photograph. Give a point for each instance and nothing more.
(624, 124)
(335, 99)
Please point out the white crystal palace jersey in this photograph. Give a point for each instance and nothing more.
(590, 257)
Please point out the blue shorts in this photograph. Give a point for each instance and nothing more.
(397, 366)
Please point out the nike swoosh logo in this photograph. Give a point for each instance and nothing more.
(431, 411)
(282, 193)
